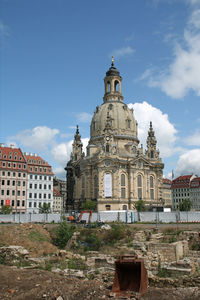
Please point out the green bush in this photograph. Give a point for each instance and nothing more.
(62, 234)
(116, 233)
(92, 242)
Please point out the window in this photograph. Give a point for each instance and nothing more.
(35, 186)
(45, 170)
(49, 196)
(14, 174)
(14, 165)
(2, 192)
(19, 166)
(18, 193)
(40, 186)
(123, 190)
(35, 169)
(18, 183)
(13, 193)
(13, 203)
(8, 165)
(24, 183)
(8, 182)
(41, 176)
(151, 187)
(23, 193)
(8, 173)
(2, 182)
(124, 207)
(24, 166)
(18, 202)
(83, 187)
(30, 204)
(2, 202)
(35, 204)
(128, 122)
(31, 176)
(3, 173)
(45, 177)
(30, 195)
(40, 196)
(35, 176)
(139, 184)
(30, 185)
(19, 174)
(107, 207)
(35, 195)
(96, 188)
(45, 186)
(24, 175)
(50, 178)
(152, 154)
(23, 203)
(45, 196)
(49, 187)
(107, 148)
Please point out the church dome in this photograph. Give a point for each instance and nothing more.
(113, 111)
(121, 120)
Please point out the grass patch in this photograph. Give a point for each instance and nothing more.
(76, 264)
(36, 236)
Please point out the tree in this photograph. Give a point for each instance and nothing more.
(88, 204)
(140, 205)
(6, 210)
(185, 205)
(45, 209)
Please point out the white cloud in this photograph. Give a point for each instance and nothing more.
(123, 51)
(60, 173)
(193, 140)
(189, 163)
(61, 152)
(182, 74)
(36, 138)
(165, 131)
(84, 117)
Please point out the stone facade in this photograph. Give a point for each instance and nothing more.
(115, 172)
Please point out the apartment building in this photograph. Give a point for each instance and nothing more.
(13, 178)
(195, 193)
(167, 193)
(57, 201)
(40, 183)
(181, 189)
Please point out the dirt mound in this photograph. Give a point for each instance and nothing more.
(38, 284)
(33, 237)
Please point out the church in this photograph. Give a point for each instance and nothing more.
(116, 171)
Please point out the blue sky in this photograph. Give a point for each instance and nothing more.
(54, 55)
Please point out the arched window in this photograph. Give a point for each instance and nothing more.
(152, 154)
(83, 187)
(75, 157)
(107, 148)
(124, 207)
(123, 189)
(108, 86)
(96, 187)
(116, 86)
(139, 184)
(151, 187)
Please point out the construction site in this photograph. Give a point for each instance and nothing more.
(71, 260)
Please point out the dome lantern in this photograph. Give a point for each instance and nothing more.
(112, 81)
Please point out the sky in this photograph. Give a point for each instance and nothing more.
(53, 58)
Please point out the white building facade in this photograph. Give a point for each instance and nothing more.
(40, 183)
